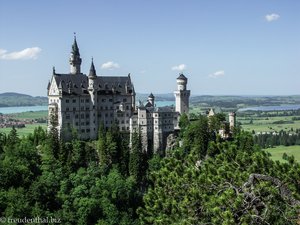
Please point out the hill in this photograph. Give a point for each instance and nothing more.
(9, 99)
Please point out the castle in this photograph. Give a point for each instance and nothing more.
(81, 102)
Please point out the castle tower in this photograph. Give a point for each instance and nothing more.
(93, 106)
(182, 95)
(151, 99)
(75, 60)
(232, 117)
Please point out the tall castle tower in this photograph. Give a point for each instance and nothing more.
(75, 60)
(232, 118)
(93, 93)
(182, 95)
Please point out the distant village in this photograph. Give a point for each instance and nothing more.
(10, 120)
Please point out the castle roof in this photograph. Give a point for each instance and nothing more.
(75, 49)
(151, 95)
(181, 77)
(78, 84)
(92, 70)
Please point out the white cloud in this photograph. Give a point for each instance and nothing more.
(217, 74)
(272, 17)
(180, 67)
(27, 53)
(110, 65)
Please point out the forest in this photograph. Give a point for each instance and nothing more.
(203, 180)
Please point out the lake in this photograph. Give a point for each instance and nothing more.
(19, 109)
(271, 108)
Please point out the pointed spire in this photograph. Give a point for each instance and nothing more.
(53, 70)
(75, 60)
(92, 70)
(75, 49)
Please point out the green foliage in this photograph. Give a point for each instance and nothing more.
(136, 157)
(205, 181)
(196, 137)
(191, 190)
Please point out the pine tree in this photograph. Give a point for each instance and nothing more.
(135, 158)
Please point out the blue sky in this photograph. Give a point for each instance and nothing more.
(232, 47)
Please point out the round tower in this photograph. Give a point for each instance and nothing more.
(92, 79)
(182, 95)
(75, 60)
(232, 117)
(151, 99)
(181, 82)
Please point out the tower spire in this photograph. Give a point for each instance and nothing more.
(75, 60)
(92, 69)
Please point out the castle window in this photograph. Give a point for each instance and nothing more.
(76, 123)
(87, 130)
(74, 100)
(82, 116)
(127, 128)
(127, 107)
(68, 116)
(87, 123)
(76, 116)
(67, 100)
(124, 99)
(87, 108)
(111, 115)
(110, 99)
(87, 100)
(123, 128)
(74, 109)
(81, 100)
(103, 99)
(82, 130)
(106, 108)
(67, 109)
(82, 108)
(111, 107)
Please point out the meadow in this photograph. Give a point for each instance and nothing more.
(29, 128)
(278, 151)
(39, 116)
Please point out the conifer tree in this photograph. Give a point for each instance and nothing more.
(135, 158)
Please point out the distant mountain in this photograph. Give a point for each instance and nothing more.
(9, 99)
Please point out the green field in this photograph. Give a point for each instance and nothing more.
(31, 115)
(261, 124)
(278, 151)
(26, 130)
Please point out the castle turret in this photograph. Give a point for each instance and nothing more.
(232, 117)
(151, 99)
(75, 60)
(93, 106)
(182, 95)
